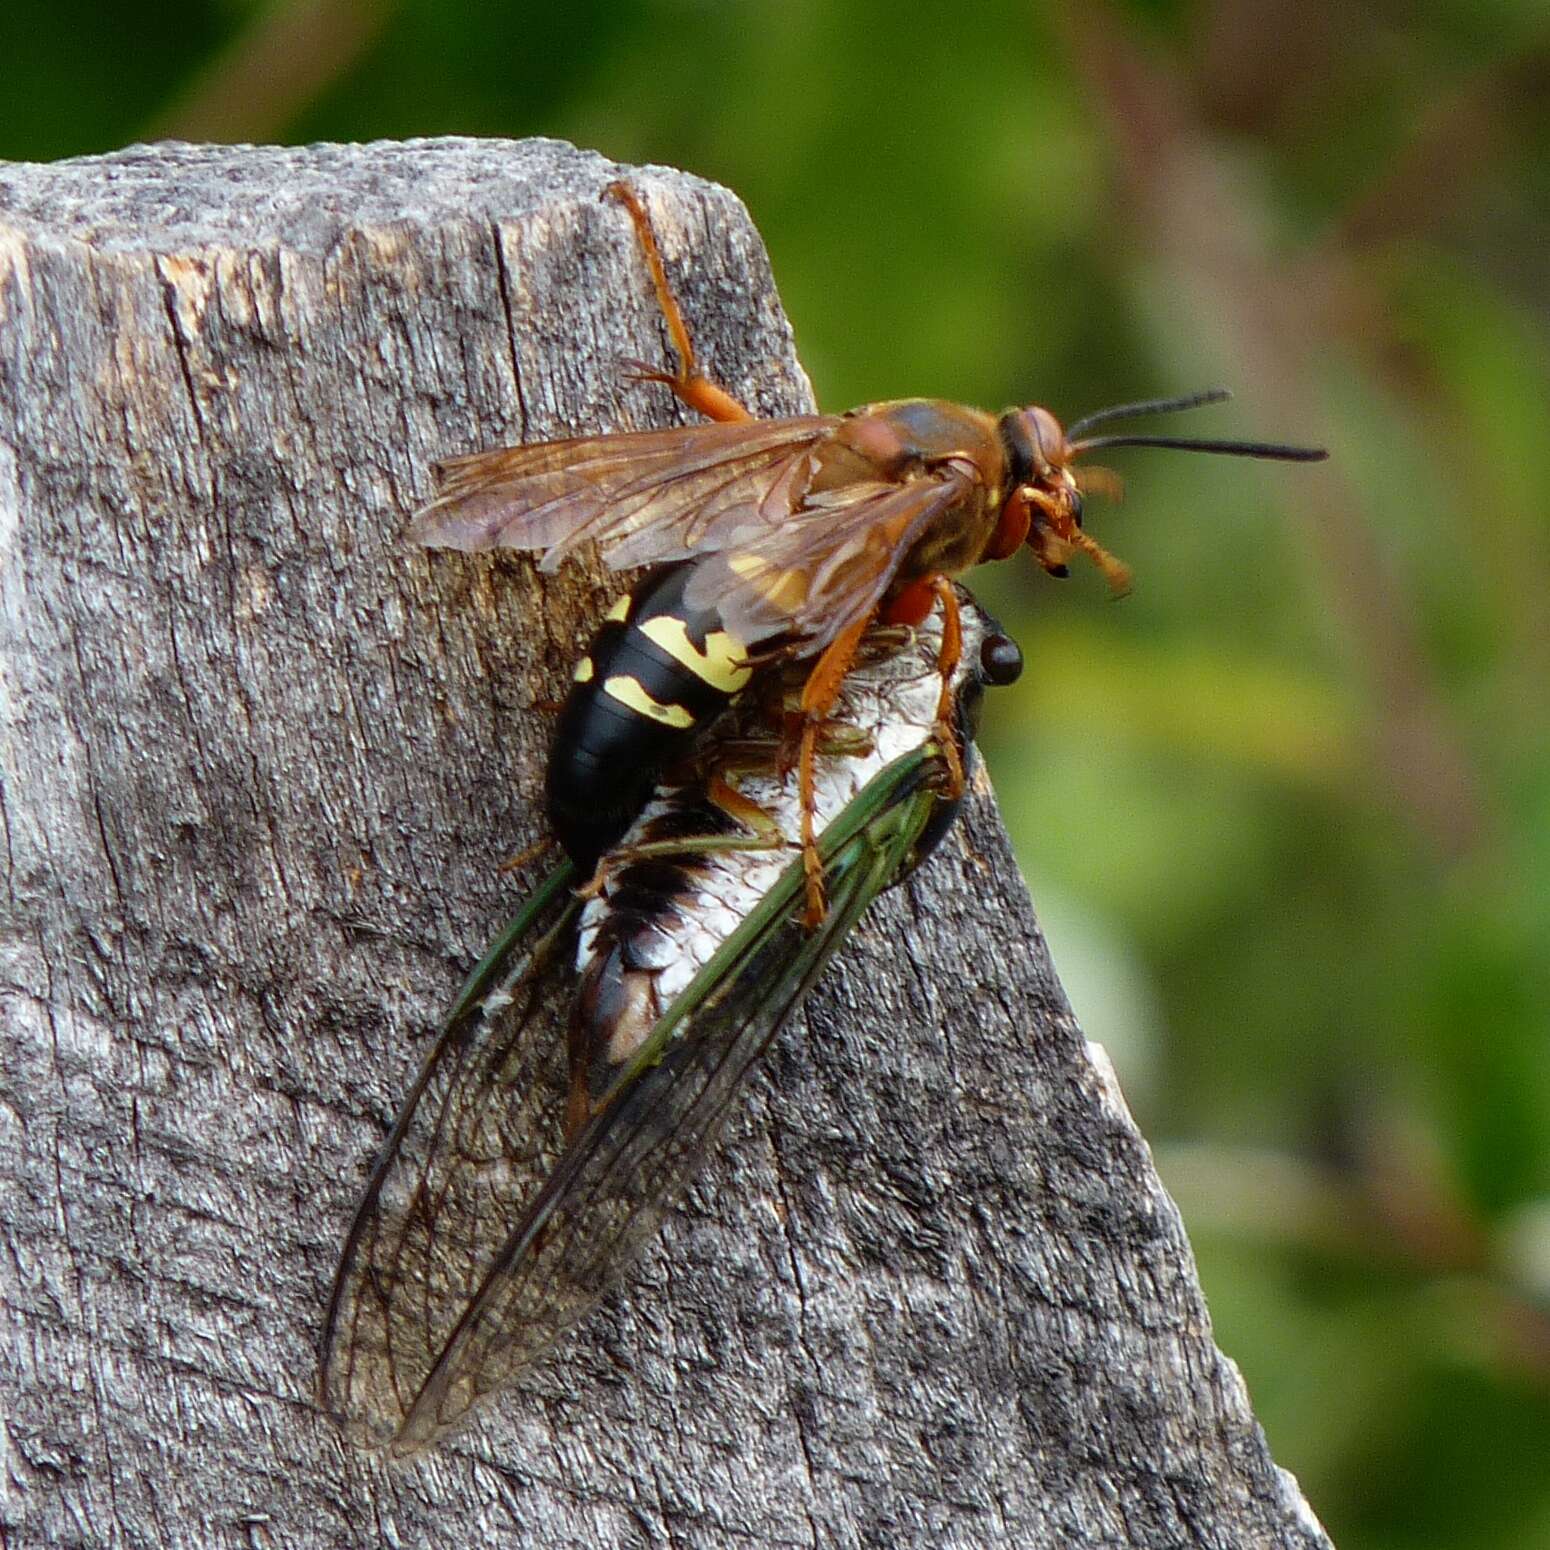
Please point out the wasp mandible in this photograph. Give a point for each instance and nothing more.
(798, 535)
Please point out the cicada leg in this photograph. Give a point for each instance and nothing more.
(845, 740)
(688, 382)
(837, 739)
(530, 854)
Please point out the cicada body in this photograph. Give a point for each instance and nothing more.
(664, 904)
(491, 1223)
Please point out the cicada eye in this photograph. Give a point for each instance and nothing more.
(1001, 660)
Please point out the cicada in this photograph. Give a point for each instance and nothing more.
(502, 1206)
(797, 535)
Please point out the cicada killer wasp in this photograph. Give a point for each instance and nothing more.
(798, 535)
(491, 1224)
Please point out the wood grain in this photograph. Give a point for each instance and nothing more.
(260, 759)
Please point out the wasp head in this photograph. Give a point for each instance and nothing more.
(1044, 505)
(1044, 508)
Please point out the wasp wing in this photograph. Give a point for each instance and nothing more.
(468, 1146)
(645, 496)
(469, 1317)
(779, 557)
(830, 563)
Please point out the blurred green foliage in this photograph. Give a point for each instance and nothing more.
(1286, 809)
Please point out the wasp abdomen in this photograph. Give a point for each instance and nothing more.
(656, 674)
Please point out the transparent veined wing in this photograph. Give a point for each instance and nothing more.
(475, 1136)
(449, 1287)
(644, 496)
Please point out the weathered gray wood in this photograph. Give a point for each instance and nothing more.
(260, 759)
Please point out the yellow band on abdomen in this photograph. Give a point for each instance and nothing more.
(629, 691)
(722, 664)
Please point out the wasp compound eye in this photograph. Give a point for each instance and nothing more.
(1001, 660)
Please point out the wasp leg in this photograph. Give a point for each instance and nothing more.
(742, 809)
(947, 659)
(836, 739)
(911, 606)
(818, 699)
(1057, 521)
(688, 382)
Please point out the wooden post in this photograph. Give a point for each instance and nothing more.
(260, 759)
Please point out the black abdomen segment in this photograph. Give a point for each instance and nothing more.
(656, 674)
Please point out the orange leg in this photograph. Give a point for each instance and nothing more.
(912, 605)
(696, 390)
(1058, 521)
(818, 699)
(947, 659)
(742, 809)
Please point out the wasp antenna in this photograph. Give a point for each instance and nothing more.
(1266, 449)
(1211, 395)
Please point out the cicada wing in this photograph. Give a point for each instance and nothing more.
(645, 496)
(476, 1135)
(627, 1168)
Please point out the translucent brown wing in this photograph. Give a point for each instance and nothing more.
(830, 562)
(644, 496)
(777, 558)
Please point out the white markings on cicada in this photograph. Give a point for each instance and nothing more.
(892, 702)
